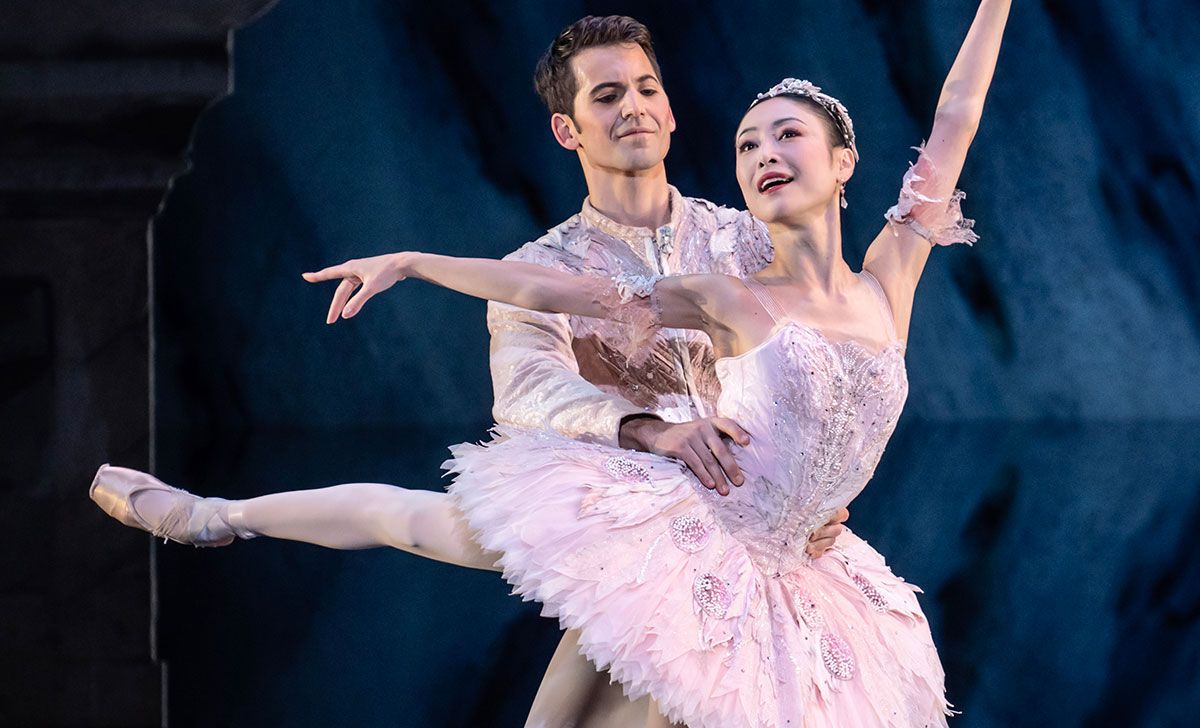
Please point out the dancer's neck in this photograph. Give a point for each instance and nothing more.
(637, 199)
(808, 255)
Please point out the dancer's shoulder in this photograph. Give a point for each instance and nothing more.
(738, 242)
(559, 245)
(719, 215)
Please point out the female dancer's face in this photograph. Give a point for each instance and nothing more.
(622, 120)
(786, 166)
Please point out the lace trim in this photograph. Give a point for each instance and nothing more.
(628, 299)
(941, 222)
(633, 285)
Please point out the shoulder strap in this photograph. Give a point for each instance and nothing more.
(765, 299)
(883, 303)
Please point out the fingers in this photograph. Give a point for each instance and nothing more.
(724, 457)
(692, 460)
(340, 296)
(817, 547)
(359, 299)
(841, 516)
(732, 429)
(326, 274)
(828, 532)
(823, 538)
(704, 465)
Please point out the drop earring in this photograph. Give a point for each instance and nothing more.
(842, 194)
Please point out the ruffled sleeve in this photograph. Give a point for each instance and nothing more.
(940, 221)
(628, 299)
(740, 245)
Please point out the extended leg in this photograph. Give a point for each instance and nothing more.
(351, 516)
(365, 515)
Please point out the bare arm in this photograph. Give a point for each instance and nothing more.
(898, 255)
(534, 373)
(681, 299)
(535, 376)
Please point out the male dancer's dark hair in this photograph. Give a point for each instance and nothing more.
(554, 78)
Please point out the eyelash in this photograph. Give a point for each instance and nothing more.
(609, 98)
(747, 146)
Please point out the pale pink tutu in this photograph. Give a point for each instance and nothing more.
(623, 546)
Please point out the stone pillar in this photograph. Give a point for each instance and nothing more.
(97, 102)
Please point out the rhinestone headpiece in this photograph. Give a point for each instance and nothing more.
(797, 87)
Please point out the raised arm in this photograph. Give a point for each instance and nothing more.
(960, 106)
(898, 255)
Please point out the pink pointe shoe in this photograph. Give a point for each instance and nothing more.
(188, 520)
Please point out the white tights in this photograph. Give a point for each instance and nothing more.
(427, 523)
(363, 516)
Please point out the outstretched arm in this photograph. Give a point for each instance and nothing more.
(898, 255)
(538, 288)
(534, 372)
(680, 300)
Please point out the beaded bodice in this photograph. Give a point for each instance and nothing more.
(819, 413)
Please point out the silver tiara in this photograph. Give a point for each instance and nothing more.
(797, 87)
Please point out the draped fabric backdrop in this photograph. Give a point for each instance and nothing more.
(1041, 487)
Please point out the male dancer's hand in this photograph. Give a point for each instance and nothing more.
(821, 540)
(701, 444)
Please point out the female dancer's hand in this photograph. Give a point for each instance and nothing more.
(375, 275)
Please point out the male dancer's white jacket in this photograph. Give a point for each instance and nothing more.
(572, 373)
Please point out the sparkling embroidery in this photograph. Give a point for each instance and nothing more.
(806, 607)
(830, 423)
(837, 656)
(622, 468)
(878, 602)
(689, 533)
(641, 577)
(712, 594)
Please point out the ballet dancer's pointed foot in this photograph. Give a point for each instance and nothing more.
(173, 513)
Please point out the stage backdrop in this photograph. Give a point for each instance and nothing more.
(1041, 486)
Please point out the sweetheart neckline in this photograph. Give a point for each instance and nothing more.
(831, 343)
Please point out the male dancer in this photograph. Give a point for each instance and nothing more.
(582, 377)
(601, 83)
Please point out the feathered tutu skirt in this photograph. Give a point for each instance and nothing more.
(624, 547)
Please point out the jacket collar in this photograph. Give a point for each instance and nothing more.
(635, 237)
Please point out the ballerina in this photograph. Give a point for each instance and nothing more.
(599, 79)
(709, 604)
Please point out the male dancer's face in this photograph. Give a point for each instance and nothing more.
(622, 120)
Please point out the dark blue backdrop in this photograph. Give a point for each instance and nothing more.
(1041, 486)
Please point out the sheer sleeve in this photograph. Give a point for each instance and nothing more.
(938, 220)
(535, 375)
(629, 299)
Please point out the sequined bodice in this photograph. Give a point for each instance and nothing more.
(819, 413)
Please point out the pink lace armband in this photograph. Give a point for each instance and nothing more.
(628, 299)
(939, 221)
